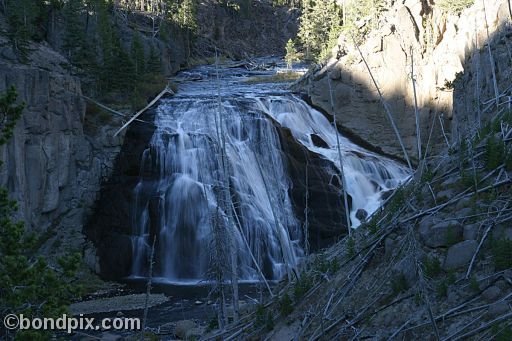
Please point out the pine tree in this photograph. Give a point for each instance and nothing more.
(291, 54)
(306, 28)
(319, 27)
(187, 20)
(74, 40)
(10, 112)
(154, 64)
(22, 16)
(137, 56)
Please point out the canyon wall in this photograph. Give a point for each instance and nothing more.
(52, 166)
(448, 51)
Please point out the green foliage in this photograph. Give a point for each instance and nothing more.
(432, 267)
(502, 253)
(501, 332)
(138, 58)
(260, 315)
(473, 284)
(23, 16)
(494, 153)
(285, 305)
(398, 200)
(264, 318)
(319, 24)
(442, 289)
(362, 10)
(213, 324)
(454, 6)
(291, 54)
(74, 38)
(302, 286)
(399, 284)
(451, 236)
(28, 285)
(372, 226)
(427, 175)
(10, 112)
(323, 265)
(351, 247)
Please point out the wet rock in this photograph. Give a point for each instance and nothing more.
(361, 214)
(318, 141)
(441, 234)
(459, 254)
(326, 220)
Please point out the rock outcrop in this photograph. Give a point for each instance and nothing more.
(52, 168)
(446, 48)
(112, 233)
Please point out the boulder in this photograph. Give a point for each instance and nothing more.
(326, 220)
(471, 231)
(498, 309)
(441, 234)
(445, 195)
(459, 255)
(361, 214)
(184, 328)
(491, 293)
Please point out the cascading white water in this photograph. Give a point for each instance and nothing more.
(183, 159)
(180, 191)
(367, 175)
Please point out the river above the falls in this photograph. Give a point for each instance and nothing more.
(247, 174)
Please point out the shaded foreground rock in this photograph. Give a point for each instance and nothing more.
(460, 254)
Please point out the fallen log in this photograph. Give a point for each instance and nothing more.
(167, 90)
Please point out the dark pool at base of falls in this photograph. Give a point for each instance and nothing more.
(247, 169)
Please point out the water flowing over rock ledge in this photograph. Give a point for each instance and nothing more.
(280, 152)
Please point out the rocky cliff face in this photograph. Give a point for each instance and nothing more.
(51, 167)
(254, 28)
(445, 48)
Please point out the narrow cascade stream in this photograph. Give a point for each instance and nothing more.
(180, 198)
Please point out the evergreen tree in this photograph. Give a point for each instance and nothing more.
(319, 26)
(187, 20)
(22, 16)
(306, 28)
(74, 39)
(10, 112)
(154, 64)
(137, 56)
(291, 54)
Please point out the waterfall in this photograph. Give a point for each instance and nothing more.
(368, 176)
(181, 180)
(179, 193)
